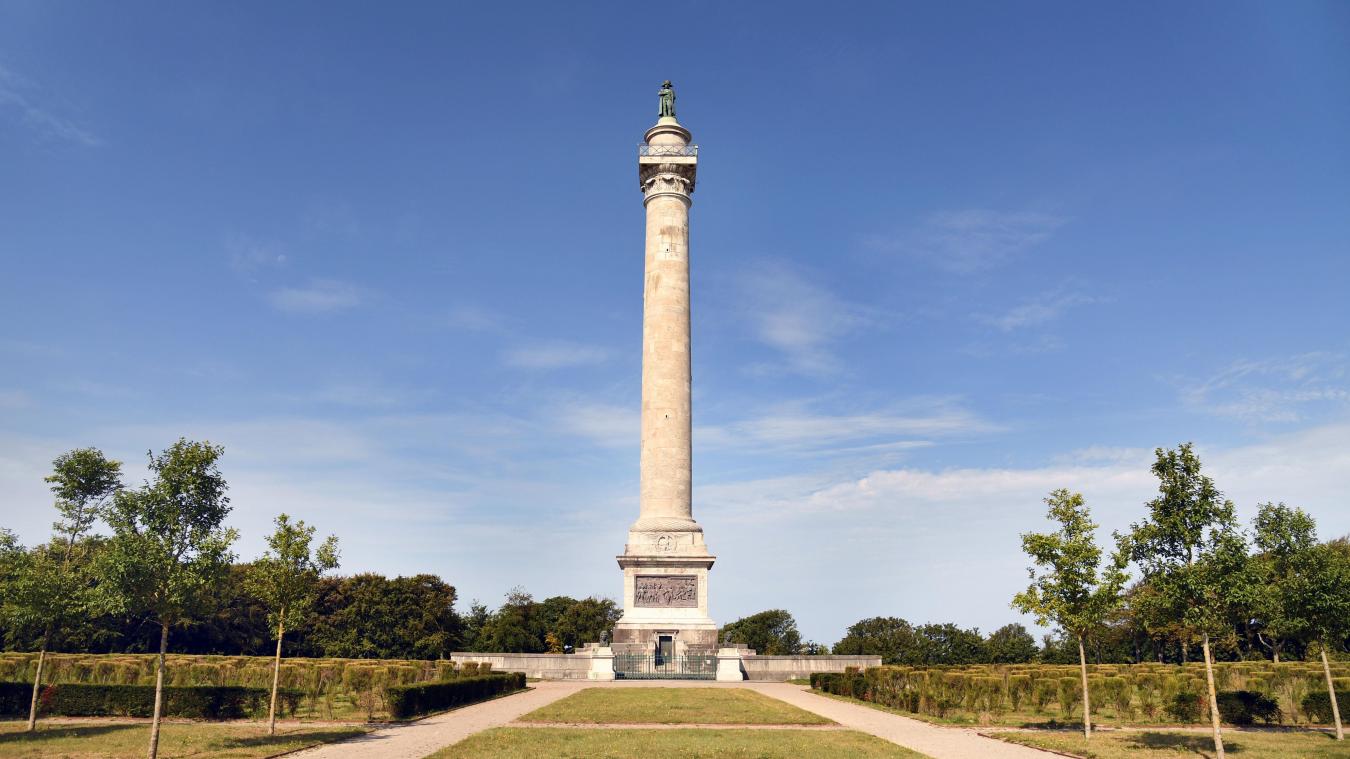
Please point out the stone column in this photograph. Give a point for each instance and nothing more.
(666, 173)
(665, 563)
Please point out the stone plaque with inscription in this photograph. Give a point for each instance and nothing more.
(666, 591)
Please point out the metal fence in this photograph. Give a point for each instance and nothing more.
(668, 150)
(649, 667)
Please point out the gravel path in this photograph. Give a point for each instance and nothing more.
(427, 736)
(937, 742)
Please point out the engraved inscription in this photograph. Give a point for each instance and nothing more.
(666, 591)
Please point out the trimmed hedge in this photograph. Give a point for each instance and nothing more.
(87, 700)
(1317, 705)
(1243, 707)
(406, 701)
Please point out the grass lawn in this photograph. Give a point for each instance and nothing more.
(115, 741)
(692, 743)
(1161, 744)
(673, 706)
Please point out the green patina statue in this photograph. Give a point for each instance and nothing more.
(667, 94)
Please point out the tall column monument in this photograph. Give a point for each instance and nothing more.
(665, 564)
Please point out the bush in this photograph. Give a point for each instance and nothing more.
(91, 700)
(1185, 707)
(406, 701)
(1317, 705)
(1243, 707)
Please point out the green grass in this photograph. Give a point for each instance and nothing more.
(119, 741)
(691, 743)
(673, 706)
(1162, 744)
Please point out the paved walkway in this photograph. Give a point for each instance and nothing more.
(937, 742)
(427, 736)
(418, 739)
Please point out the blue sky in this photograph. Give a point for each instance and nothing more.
(946, 257)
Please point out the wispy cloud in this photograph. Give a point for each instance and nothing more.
(972, 240)
(29, 102)
(14, 399)
(247, 255)
(799, 318)
(555, 355)
(1037, 311)
(604, 424)
(471, 318)
(321, 296)
(1275, 390)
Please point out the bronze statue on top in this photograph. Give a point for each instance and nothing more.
(667, 94)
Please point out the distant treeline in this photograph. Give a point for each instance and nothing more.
(364, 616)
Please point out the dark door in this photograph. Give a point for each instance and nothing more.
(665, 649)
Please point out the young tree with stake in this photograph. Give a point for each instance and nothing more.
(1071, 589)
(286, 580)
(51, 584)
(1320, 599)
(169, 546)
(1191, 552)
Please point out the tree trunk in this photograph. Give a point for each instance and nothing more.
(159, 690)
(37, 687)
(1213, 700)
(1087, 699)
(1331, 691)
(276, 675)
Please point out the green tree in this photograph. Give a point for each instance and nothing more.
(947, 643)
(52, 586)
(1283, 536)
(1192, 553)
(169, 546)
(474, 623)
(286, 579)
(369, 616)
(516, 627)
(1011, 644)
(1069, 587)
(891, 638)
(769, 633)
(1319, 599)
(588, 620)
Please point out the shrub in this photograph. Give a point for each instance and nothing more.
(1317, 704)
(1185, 706)
(412, 700)
(1070, 694)
(1243, 707)
(94, 700)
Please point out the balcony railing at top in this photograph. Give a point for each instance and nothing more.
(668, 150)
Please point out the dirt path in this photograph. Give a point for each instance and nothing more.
(937, 742)
(418, 739)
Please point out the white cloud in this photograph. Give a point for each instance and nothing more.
(799, 318)
(23, 97)
(319, 297)
(472, 319)
(14, 399)
(603, 424)
(1276, 390)
(555, 355)
(1037, 311)
(248, 255)
(796, 426)
(973, 240)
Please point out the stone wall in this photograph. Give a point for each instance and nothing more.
(576, 666)
(540, 666)
(779, 668)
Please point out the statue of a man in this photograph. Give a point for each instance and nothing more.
(667, 94)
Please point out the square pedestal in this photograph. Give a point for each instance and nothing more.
(665, 605)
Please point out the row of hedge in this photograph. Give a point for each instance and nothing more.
(406, 701)
(941, 692)
(88, 700)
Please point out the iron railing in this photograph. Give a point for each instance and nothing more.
(667, 150)
(649, 667)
